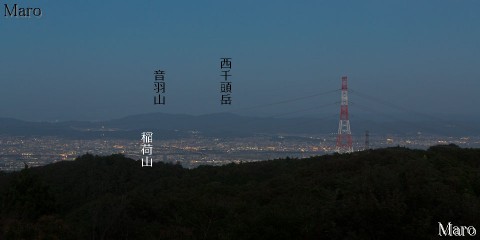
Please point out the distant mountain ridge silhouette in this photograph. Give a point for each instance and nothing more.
(221, 125)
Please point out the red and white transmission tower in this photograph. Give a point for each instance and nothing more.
(344, 137)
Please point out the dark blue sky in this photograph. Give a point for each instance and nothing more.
(94, 60)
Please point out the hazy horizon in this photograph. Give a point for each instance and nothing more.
(364, 117)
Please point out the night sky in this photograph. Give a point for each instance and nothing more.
(94, 60)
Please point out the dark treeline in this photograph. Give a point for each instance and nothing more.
(393, 193)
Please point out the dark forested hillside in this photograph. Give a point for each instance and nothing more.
(393, 193)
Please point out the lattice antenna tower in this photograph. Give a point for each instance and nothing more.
(344, 136)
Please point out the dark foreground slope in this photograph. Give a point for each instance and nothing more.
(393, 193)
